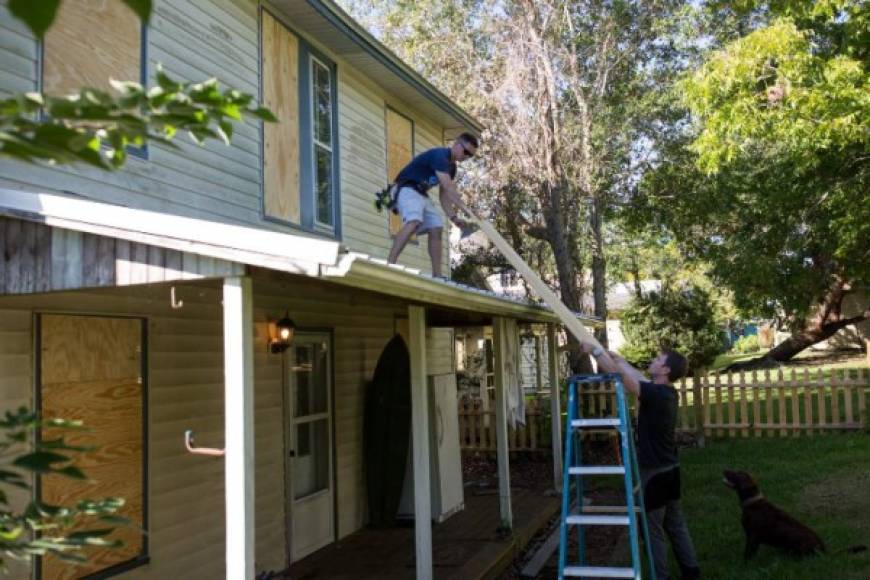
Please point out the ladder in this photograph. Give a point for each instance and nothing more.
(601, 515)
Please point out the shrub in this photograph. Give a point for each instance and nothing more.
(746, 344)
(683, 320)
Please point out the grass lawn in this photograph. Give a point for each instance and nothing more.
(824, 481)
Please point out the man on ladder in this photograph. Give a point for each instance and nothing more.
(657, 453)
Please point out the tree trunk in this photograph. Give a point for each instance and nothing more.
(599, 267)
(826, 322)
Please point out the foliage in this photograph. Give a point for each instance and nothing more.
(97, 128)
(767, 182)
(746, 344)
(683, 320)
(40, 528)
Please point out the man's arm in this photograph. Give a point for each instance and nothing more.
(449, 196)
(613, 363)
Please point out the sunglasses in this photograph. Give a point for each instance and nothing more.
(468, 154)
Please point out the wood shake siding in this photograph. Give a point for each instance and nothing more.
(185, 391)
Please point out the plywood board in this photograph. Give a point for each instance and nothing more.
(90, 371)
(281, 140)
(90, 42)
(400, 151)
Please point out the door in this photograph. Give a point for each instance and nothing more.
(309, 444)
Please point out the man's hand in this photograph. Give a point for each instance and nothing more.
(587, 346)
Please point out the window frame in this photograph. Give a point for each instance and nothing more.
(140, 152)
(308, 221)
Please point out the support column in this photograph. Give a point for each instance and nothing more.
(501, 431)
(555, 405)
(420, 442)
(239, 427)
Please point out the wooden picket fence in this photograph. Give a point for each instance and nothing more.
(477, 433)
(761, 403)
(770, 403)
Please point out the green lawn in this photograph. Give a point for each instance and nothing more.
(824, 481)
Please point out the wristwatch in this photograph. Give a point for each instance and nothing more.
(597, 351)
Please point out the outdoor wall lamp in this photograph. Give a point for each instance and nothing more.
(281, 334)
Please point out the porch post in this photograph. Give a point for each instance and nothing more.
(555, 405)
(239, 427)
(501, 433)
(420, 442)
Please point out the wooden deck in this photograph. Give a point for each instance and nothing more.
(465, 547)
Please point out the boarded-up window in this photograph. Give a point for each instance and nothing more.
(400, 151)
(91, 370)
(281, 140)
(90, 42)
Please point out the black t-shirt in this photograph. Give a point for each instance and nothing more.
(656, 422)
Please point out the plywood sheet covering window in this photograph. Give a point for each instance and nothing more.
(90, 42)
(281, 140)
(90, 370)
(400, 151)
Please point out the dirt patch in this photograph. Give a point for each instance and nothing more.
(843, 497)
(818, 358)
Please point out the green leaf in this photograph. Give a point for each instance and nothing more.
(142, 8)
(38, 15)
(264, 114)
(70, 471)
(39, 461)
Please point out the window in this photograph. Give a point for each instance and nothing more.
(321, 107)
(300, 161)
(89, 43)
(400, 151)
(92, 369)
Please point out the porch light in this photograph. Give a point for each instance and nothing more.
(282, 337)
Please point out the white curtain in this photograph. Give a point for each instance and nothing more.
(516, 406)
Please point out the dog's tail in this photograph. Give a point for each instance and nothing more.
(855, 549)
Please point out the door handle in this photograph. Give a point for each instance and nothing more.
(292, 453)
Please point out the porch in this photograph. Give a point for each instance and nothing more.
(467, 546)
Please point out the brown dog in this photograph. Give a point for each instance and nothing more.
(764, 523)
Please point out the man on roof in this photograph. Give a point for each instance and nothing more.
(433, 167)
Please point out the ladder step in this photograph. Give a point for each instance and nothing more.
(597, 470)
(578, 520)
(585, 423)
(597, 572)
(608, 509)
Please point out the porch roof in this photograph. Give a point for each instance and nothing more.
(282, 252)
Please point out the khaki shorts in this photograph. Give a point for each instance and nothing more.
(413, 206)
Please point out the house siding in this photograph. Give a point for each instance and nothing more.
(196, 40)
(185, 391)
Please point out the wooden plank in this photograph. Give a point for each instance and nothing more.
(822, 398)
(768, 394)
(91, 372)
(756, 405)
(239, 426)
(400, 148)
(500, 350)
(744, 410)
(808, 403)
(74, 56)
(848, 389)
(783, 418)
(3, 254)
(731, 406)
(281, 140)
(862, 396)
(89, 260)
(795, 405)
(42, 273)
(14, 242)
(720, 411)
(836, 383)
(420, 443)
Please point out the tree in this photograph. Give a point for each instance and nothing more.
(768, 181)
(682, 319)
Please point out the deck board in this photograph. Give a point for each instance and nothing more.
(467, 546)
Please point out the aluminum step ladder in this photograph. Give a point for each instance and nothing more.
(601, 515)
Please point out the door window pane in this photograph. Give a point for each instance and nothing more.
(311, 471)
(302, 373)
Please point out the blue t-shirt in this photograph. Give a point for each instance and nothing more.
(421, 170)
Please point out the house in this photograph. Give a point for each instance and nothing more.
(146, 301)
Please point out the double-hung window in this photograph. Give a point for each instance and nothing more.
(300, 152)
